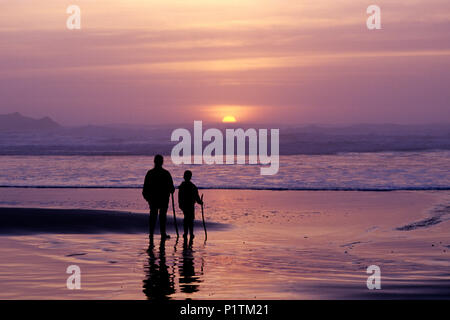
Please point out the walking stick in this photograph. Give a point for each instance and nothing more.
(174, 216)
(203, 218)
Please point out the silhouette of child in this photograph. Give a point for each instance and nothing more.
(187, 197)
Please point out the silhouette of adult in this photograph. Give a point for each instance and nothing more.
(158, 186)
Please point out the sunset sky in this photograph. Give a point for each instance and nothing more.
(269, 61)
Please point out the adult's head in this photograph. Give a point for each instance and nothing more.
(159, 160)
(187, 175)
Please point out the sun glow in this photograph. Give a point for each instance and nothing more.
(231, 113)
(229, 119)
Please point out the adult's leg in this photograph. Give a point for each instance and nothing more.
(152, 219)
(162, 220)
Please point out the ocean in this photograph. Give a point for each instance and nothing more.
(379, 171)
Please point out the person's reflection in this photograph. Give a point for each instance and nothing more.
(159, 283)
(188, 278)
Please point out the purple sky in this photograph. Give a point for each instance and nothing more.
(258, 60)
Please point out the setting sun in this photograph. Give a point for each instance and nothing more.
(229, 119)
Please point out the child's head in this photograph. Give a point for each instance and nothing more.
(187, 175)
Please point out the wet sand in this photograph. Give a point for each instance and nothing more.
(261, 244)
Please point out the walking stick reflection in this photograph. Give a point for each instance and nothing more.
(203, 218)
(174, 216)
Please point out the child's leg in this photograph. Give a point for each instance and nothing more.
(185, 223)
(191, 223)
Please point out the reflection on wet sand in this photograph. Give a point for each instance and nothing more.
(188, 278)
(160, 280)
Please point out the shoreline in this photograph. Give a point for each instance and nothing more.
(242, 188)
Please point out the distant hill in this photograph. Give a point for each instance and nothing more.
(20, 135)
(18, 123)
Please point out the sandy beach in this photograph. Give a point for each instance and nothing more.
(261, 245)
(314, 134)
